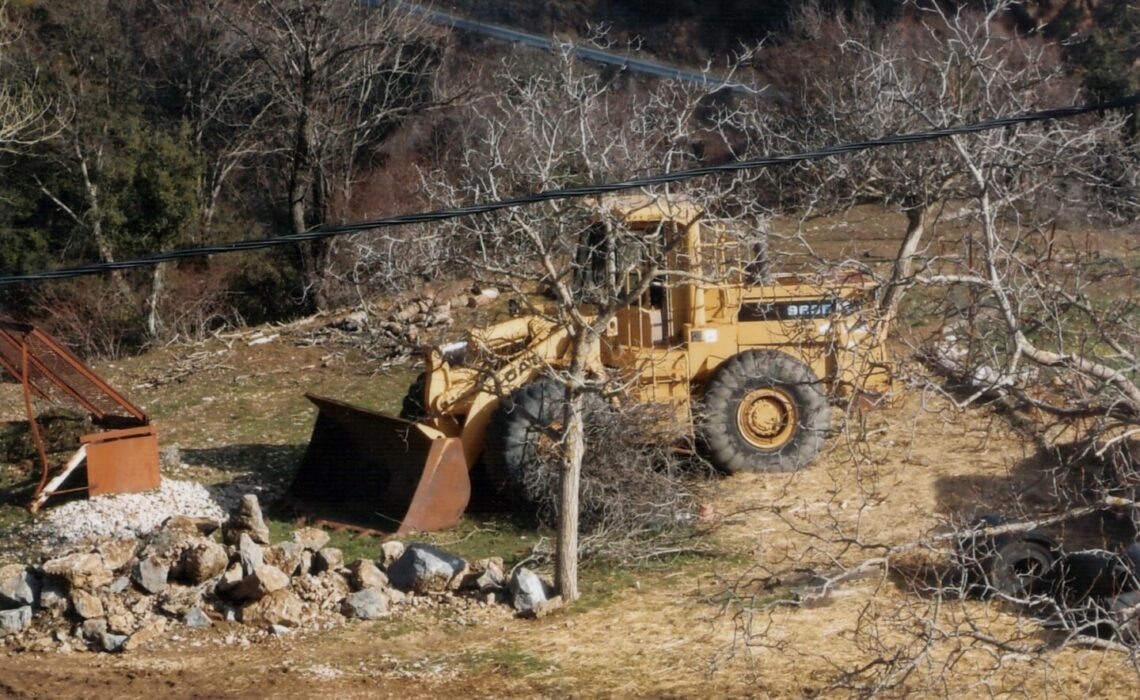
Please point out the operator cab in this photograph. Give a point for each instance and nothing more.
(654, 318)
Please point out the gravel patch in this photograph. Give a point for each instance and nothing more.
(123, 514)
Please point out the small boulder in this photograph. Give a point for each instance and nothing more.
(328, 559)
(250, 553)
(119, 585)
(324, 590)
(86, 605)
(167, 542)
(492, 580)
(80, 570)
(230, 579)
(176, 600)
(120, 623)
(368, 604)
(527, 590)
(287, 556)
(204, 526)
(145, 634)
(363, 574)
(545, 608)
(203, 561)
(112, 643)
(117, 553)
(265, 580)
(15, 621)
(247, 519)
(19, 586)
(197, 618)
(141, 606)
(479, 566)
(91, 630)
(280, 607)
(425, 569)
(390, 552)
(311, 538)
(460, 578)
(150, 574)
(53, 599)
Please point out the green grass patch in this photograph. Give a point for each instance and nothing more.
(602, 582)
(355, 545)
(394, 627)
(484, 535)
(16, 487)
(508, 659)
(12, 516)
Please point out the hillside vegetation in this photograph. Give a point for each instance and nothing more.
(164, 127)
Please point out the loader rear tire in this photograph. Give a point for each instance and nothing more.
(764, 411)
(522, 420)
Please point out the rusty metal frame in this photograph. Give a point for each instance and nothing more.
(34, 371)
(14, 334)
(33, 424)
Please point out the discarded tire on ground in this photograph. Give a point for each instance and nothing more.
(1093, 575)
(1014, 565)
(1019, 569)
(764, 411)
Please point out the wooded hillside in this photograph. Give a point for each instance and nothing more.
(148, 126)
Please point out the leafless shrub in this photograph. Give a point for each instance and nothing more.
(198, 302)
(640, 492)
(92, 316)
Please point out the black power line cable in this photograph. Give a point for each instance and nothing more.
(570, 192)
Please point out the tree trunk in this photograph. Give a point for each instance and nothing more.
(566, 564)
(904, 261)
(157, 287)
(584, 352)
(95, 215)
(304, 181)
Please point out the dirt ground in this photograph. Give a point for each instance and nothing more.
(730, 625)
(678, 633)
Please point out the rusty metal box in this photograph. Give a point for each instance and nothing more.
(122, 461)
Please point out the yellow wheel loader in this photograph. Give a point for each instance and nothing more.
(763, 362)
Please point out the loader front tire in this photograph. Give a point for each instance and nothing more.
(764, 411)
(530, 415)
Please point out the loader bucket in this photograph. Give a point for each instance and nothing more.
(368, 469)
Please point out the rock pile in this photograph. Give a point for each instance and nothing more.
(126, 592)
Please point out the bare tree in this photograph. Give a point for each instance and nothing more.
(333, 78)
(91, 81)
(26, 118)
(120, 182)
(552, 122)
(938, 69)
(203, 69)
